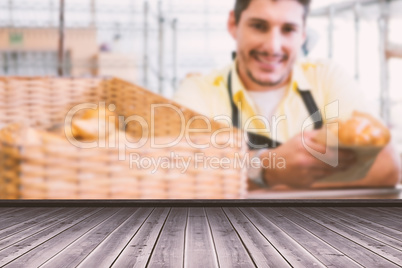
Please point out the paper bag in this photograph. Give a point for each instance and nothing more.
(366, 156)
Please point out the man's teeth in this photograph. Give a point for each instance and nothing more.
(267, 61)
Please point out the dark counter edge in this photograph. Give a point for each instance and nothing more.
(206, 203)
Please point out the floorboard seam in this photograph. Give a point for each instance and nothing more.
(238, 235)
(264, 236)
(139, 228)
(157, 238)
(345, 237)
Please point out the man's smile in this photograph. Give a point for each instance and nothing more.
(267, 62)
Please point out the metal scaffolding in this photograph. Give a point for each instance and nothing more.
(153, 19)
(386, 50)
(163, 24)
(161, 28)
(61, 46)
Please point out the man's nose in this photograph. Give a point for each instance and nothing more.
(273, 41)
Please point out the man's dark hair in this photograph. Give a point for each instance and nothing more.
(241, 5)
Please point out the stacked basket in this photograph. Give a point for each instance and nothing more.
(54, 168)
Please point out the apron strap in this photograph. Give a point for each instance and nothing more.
(312, 108)
(257, 141)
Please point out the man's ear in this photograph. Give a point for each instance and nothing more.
(232, 27)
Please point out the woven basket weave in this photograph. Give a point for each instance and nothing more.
(53, 168)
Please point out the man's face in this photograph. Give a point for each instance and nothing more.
(269, 37)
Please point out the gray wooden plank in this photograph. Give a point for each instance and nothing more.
(108, 251)
(40, 227)
(292, 251)
(321, 250)
(40, 247)
(394, 212)
(365, 213)
(355, 251)
(260, 249)
(385, 251)
(392, 209)
(359, 227)
(199, 247)
(23, 225)
(229, 248)
(138, 251)
(169, 250)
(368, 223)
(75, 252)
(8, 210)
(12, 213)
(384, 214)
(22, 215)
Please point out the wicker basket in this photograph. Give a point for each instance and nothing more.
(53, 168)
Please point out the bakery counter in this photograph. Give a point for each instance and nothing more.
(355, 193)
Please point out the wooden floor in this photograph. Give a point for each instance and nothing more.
(201, 237)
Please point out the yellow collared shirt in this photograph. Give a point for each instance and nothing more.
(335, 92)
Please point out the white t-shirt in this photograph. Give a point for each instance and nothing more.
(266, 102)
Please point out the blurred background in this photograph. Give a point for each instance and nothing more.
(155, 43)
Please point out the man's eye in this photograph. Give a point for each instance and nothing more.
(289, 29)
(259, 26)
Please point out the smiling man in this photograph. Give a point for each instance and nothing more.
(267, 48)
(274, 94)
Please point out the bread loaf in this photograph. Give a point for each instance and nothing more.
(363, 129)
(94, 124)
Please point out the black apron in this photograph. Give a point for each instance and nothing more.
(256, 141)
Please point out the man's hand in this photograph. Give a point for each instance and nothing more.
(302, 168)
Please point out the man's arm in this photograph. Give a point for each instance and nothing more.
(305, 171)
(385, 172)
